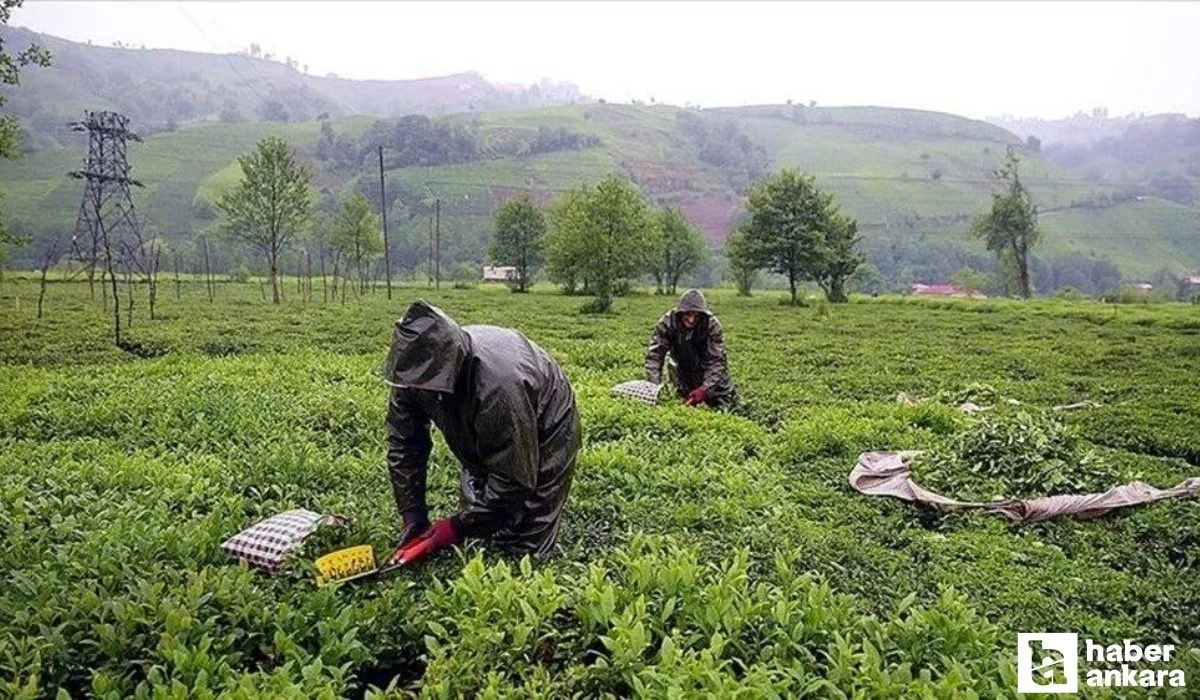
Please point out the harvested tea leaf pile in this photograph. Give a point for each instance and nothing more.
(1015, 452)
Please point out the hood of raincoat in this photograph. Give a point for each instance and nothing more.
(428, 350)
(692, 300)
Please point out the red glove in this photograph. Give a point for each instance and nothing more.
(441, 535)
(697, 397)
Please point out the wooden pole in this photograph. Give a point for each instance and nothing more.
(208, 273)
(324, 283)
(307, 276)
(387, 250)
(437, 260)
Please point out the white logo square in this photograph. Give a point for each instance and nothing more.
(1047, 662)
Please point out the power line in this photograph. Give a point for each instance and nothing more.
(228, 60)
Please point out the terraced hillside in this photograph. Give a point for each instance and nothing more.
(913, 179)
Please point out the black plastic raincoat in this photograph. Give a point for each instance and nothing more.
(507, 413)
(698, 353)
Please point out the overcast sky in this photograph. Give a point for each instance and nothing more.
(970, 58)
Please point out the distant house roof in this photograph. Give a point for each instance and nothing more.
(944, 290)
(1193, 280)
(1144, 286)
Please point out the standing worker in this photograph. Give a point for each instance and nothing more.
(691, 335)
(507, 413)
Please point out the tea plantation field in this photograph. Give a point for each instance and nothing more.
(704, 553)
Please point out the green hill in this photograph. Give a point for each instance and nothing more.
(162, 88)
(914, 179)
(1157, 155)
(1145, 235)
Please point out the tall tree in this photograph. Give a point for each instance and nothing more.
(680, 249)
(272, 204)
(839, 258)
(10, 128)
(356, 235)
(520, 228)
(10, 74)
(603, 235)
(789, 218)
(1010, 229)
(562, 245)
(743, 262)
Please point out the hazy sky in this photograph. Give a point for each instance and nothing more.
(970, 58)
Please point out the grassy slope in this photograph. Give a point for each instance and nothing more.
(1163, 234)
(878, 161)
(174, 167)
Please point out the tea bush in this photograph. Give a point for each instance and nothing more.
(703, 553)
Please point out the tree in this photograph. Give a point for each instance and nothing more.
(10, 74)
(271, 205)
(743, 262)
(867, 279)
(562, 246)
(967, 278)
(1010, 229)
(326, 141)
(357, 237)
(10, 128)
(1105, 275)
(603, 236)
(839, 258)
(789, 218)
(681, 249)
(520, 227)
(273, 111)
(1033, 143)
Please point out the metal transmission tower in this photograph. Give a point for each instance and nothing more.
(107, 230)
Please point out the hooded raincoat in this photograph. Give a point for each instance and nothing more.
(507, 413)
(698, 354)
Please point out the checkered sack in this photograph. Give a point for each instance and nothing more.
(266, 543)
(640, 389)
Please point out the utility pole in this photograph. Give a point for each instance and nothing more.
(437, 270)
(387, 250)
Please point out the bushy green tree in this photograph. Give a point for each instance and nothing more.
(795, 229)
(603, 236)
(839, 258)
(10, 128)
(520, 228)
(681, 249)
(1010, 229)
(563, 247)
(357, 237)
(967, 278)
(743, 263)
(10, 74)
(271, 206)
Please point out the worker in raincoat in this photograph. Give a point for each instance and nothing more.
(690, 342)
(507, 413)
